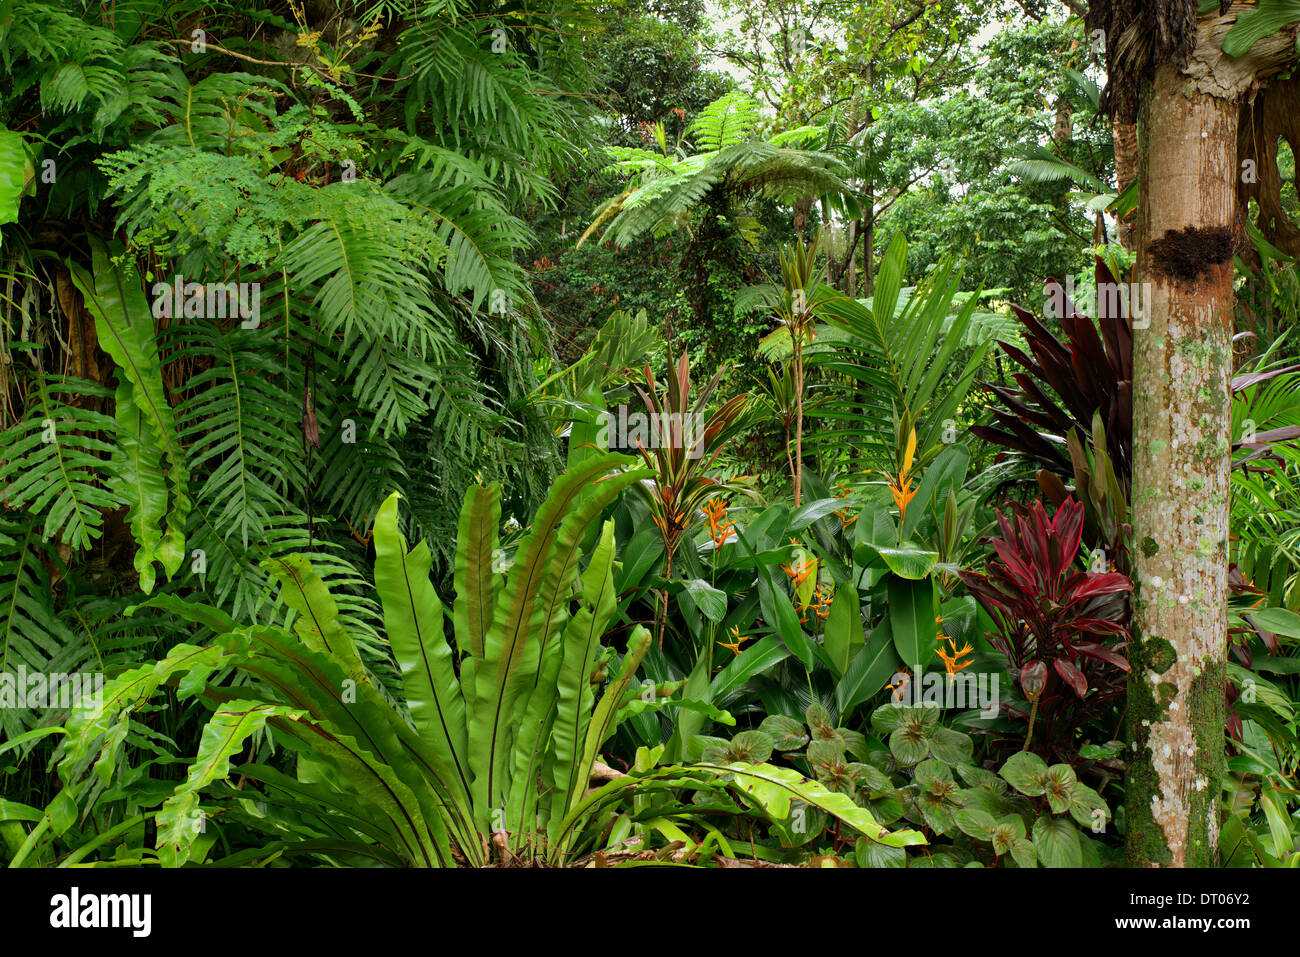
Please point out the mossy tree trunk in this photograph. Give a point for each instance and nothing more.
(1181, 452)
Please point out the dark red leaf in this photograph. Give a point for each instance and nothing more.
(1072, 676)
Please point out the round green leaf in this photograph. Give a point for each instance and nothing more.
(1026, 772)
(1056, 841)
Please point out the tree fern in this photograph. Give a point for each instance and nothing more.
(731, 159)
(727, 121)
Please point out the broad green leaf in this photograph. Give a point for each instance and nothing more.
(1026, 772)
(843, 628)
(1089, 808)
(805, 515)
(787, 733)
(869, 671)
(906, 560)
(951, 747)
(778, 610)
(946, 471)
(912, 620)
(712, 602)
(1056, 842)
(1255, 23)
(1279, 621)
(775, 788)
(14, 169)
(1059, 785)
(908, 744)
(975, 823)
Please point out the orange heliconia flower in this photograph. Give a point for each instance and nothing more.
(900, 486)
(805, 569)
(950, 661)
(737, 639)
(719, 527)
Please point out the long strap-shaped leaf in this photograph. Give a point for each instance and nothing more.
(558, 709)
(423, 835)
(413, 621)
(476, 582)
(576, 697)
(602, 721)
(318, 625)
(525, 612)
(312, 682)
(124, 327)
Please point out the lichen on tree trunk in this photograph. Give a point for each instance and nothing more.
(1181, 449)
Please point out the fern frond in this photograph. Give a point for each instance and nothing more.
(56, 463)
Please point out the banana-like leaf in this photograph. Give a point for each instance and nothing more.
(868, 671)
(912, 619)
(843, 628)
(754, 660)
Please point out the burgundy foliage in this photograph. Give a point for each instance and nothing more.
(1048, 610)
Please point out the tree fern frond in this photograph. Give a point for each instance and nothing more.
(727, 121)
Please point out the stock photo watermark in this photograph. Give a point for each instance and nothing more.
(208, 300)
(76, 910)
(622, 429)
(1105, 300)
(59, 691)
(936, 689)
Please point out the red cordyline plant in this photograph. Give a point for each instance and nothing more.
(684, 447)
(1051, 613)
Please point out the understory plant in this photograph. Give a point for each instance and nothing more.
(1023, 814)
(1061, 628)
(490, 752)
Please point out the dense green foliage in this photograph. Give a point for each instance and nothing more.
(567, 433)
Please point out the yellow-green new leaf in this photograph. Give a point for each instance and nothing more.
(318, 622)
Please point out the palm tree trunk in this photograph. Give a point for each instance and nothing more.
(1124, 136)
